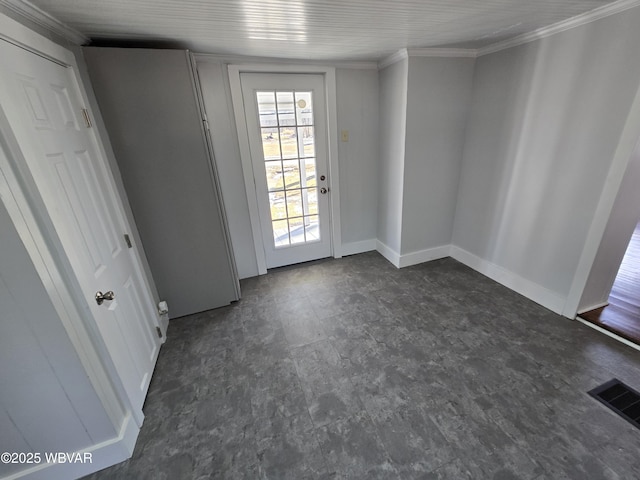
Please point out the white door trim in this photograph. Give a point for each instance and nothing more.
(29, 214)
(245, 153)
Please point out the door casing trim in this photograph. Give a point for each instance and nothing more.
(29, 214)
(329, 74)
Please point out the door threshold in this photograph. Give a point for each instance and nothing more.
(609, 333)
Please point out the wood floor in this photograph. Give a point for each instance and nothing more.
(622, 315)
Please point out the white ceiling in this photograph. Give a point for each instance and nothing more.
(312, 29)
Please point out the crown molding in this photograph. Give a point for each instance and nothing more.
(564, 25)
(393, 58)
(30, 12)
(442, 52)
(240, 59)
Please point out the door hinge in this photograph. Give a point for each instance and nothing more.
(87, 119)
(159, 332)
(127, 240)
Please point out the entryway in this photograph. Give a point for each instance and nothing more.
(622, 315)
(286, 127)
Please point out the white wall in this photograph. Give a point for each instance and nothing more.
(624, 217)
(439, 90)
(47, 403)
(392, 123)
(545, 120)
(357, 96)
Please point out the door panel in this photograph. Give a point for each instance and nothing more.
(43, 105)
(286, 125)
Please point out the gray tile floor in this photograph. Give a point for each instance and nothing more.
(350, 368)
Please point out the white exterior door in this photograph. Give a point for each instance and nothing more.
(42, 102)
(287, 128)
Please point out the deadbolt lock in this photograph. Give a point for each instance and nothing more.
(322, 177)
(101, 297)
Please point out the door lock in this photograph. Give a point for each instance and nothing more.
(101, 297)
(322, 177)
(323, 191)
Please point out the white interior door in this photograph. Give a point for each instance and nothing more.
(287, 128)
(43, 105)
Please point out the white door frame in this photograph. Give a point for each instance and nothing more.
(29, 214)
(329, 74)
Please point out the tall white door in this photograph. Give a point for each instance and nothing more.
(42, 102)
(287, 128)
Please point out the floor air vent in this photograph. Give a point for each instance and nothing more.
(620, 398)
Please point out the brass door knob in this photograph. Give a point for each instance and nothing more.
(101, 297)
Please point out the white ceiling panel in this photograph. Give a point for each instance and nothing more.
(312, 29)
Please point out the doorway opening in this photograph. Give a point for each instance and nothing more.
(622, 314)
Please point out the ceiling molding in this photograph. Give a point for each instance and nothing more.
(30, 12)
(442, 52)
(573, 22)
(356, 65)
(393, 58)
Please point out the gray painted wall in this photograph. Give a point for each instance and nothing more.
(357, 96)
(392, 122)
(439, 90)
(47, 403)
(544, 122)
(216, 94)
(147, 101)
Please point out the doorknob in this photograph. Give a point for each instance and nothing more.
(101, 297)
(323, 190)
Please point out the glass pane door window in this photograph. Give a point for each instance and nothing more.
(285, 116)
(287, 132)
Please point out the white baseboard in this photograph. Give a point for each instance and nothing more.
(592, 307)
(539, 294)
(388, 253)
(103, 455)
(609, 334)
(421, 256)
(353, 248)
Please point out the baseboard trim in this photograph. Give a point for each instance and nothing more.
(388, 253)
(533, 291)
(104, 454)
(608, 333)
(353, 248)
(592, 307)
(421, 256)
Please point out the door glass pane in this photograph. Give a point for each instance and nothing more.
(294, 203)
(286, 111)
(274, 175)
(308, 167)
(296, 228)
(304, 108)
(280, 233)
(288, 144)
(311, 228)
(310, 201)
(267, 109)
(308, 146)
(270, 144)
(278, 205)
(289, 141)
(291, 174)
